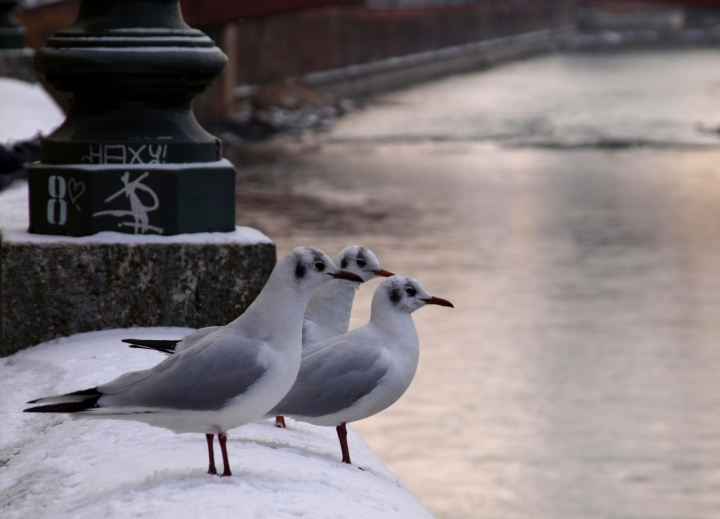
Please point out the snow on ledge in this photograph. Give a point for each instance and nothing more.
(53, 466)
(14, 222)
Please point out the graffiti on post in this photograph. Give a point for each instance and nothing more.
(125, 154)
(60, 190)
(138, 210)
(57, 205)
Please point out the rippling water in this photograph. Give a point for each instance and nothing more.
(569, 207)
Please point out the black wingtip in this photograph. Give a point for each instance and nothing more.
(72, 407)
(163, 345)
(92, 394)
(162, 350)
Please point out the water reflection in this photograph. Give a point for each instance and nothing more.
(579, 375)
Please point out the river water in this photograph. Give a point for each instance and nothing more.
(569, 206)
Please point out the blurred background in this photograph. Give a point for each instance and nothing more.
(552, 167)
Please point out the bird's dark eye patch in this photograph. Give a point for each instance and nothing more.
(361, 262)
(395, 295)
(320, 265)
(410, 291)
(299, 270)
(343, 263)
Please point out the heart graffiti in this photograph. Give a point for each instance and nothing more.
(75, 191)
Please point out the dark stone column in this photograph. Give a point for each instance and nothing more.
(12, 36)
(130, 156)
(16, 61)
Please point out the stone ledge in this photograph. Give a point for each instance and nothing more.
(18, 64)
(50, 290)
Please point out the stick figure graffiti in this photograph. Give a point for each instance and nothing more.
(138, 210)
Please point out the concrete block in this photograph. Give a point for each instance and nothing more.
(18, 64)
(53, 286)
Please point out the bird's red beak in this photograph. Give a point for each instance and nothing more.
(438, 301)
(382, 272)
(345, 274)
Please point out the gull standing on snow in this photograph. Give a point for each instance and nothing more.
(327, 313)
(364, 371)
(230, 377)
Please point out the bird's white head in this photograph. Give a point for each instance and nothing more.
(306, 268)
(361, 261)
(405, 294)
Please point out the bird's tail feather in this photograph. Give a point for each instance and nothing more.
(162, 345)
(70, 403)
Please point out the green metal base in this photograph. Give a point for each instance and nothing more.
(12, 38)
(79, 200)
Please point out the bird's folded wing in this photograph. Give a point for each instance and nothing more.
(333, 376)
(202, 378)
(194, 337)
(171, 346)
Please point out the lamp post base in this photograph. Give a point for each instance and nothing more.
(166, 199)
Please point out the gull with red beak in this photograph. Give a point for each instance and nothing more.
(328, 311)
(231, 376)
(364, 371)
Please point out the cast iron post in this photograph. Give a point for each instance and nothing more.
(12, 36)
(130, 157)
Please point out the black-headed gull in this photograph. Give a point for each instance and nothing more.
(230, 377)
(327, 313)
(362, 372)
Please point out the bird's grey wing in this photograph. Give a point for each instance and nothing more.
(172, 346)
(333, 376)
(194, 337)
(201, 379)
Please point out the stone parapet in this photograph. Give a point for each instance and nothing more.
(53, 286)
(18, 64)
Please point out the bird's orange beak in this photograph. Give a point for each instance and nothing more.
(382, 272)
(438, 301)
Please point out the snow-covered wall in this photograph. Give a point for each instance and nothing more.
(54, 467)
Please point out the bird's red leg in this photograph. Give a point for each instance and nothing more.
(211, 454)
(280, 422)
(342, 436)
(226, 463)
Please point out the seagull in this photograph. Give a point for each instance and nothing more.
(364, 371)
(327, 313)
(230, 377)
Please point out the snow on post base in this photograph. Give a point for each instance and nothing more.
(56, 467)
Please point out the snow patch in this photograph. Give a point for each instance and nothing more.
(25, 110)
(54, 467)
